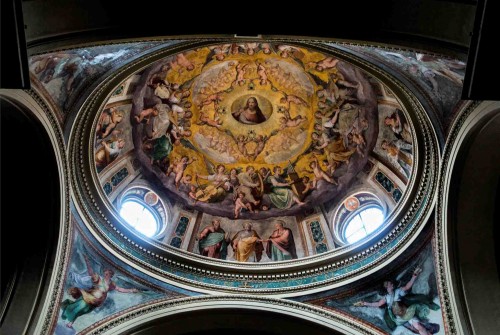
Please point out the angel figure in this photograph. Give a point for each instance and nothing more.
(286, 51)
(403, 308)
(240, 203)
(266, 48)
(319, 173)
(182, 62)
(108, 121)
(358, 141)
(219, 52)
(205, 119)
(215, 98)
(218, 184)
(240, 74)
(324, 64)
(187, 180)
(108, 152)
(146, 114)
(178, 167)
(179, 133)
(250, 48)
(335, 148)
(346, 92)
(308, 187)
(160, 74)
(91, 293)
(288, 122)
(397, 123)
(241, 142)
(355, 134)
(261, 143)
(399, 153)
(262, 72)
(288, 99)
(280, 194)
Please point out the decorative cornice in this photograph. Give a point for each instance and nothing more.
(448, 302)
(323, 317)
(161, 39)
(80, 46)
(33, 101)
(64, 246)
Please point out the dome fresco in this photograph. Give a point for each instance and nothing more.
(276, 174)
(227, 172)
(263, 138)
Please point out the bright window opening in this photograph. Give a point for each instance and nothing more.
(140, 217)
(363, 224)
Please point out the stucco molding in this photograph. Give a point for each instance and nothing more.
(472, 115)
(166, 309)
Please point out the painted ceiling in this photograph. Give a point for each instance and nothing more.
(254, 130)
(247, 134)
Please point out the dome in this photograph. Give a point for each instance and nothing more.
(246, 181)
(253, 157)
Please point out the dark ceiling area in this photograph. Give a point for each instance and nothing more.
(413, 21)
(456, 28)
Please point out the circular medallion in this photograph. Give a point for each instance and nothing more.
(351, 203)
(151, 198)
(251, 109)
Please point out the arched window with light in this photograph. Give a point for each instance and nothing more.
(143, 211)
(358, 216)
(363, 223)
